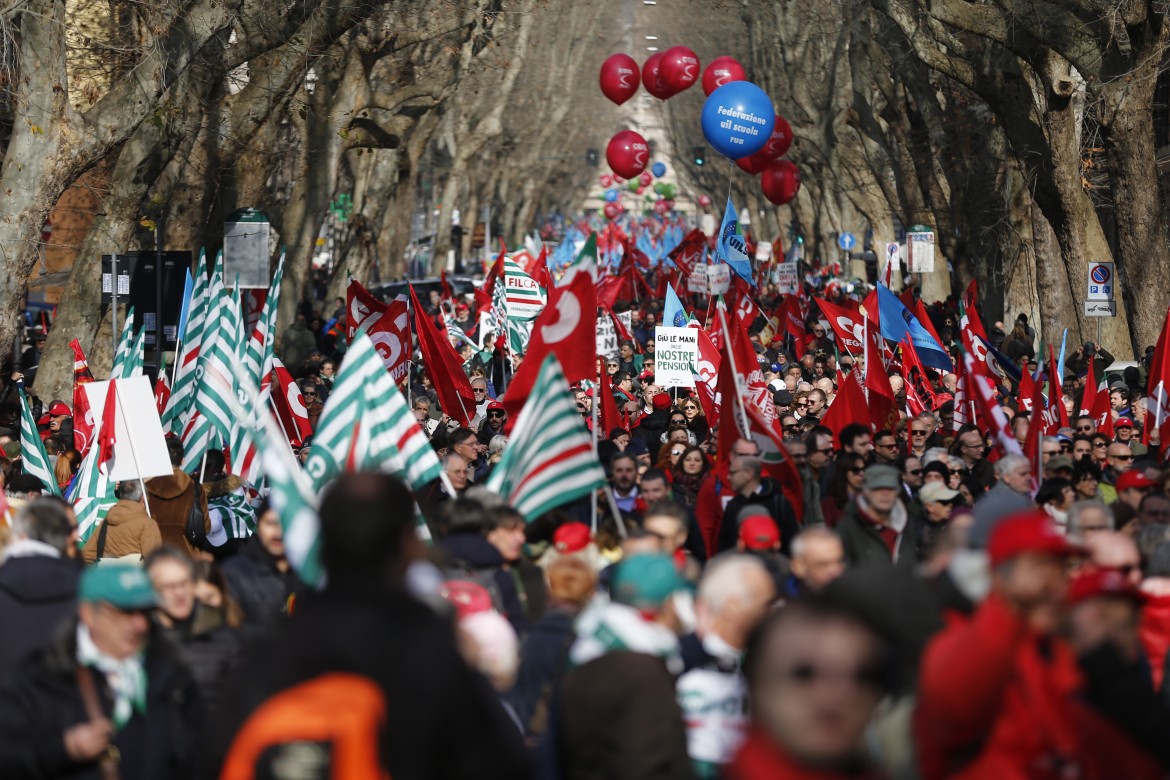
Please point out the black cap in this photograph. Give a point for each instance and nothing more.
(782, 398)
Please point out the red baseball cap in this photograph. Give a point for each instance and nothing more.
(571, 538)
(1134, 478)
(1123, 422)
(58, 409)
(467, 597)
(1102, 582)
(662, 401)
(495, 406)
(1025, 532)
(759, 532)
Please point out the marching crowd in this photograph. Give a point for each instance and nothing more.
(920, 605)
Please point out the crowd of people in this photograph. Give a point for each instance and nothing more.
(931, 608)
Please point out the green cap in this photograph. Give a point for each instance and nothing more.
(645, 580)
(880, 476)
(125, 587)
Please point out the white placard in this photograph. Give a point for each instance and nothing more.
(676, 352)
(787, 279)
(764, 252)
(718, 278)
(140, 439)
(697, 281)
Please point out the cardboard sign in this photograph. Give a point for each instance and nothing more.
(787, 279)
(676, 352)
(697, 281)
(718, 279)
(140, 449)
(607, 338)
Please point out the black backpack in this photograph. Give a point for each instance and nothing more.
(195, 531)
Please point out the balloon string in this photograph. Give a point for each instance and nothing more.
(730, 174)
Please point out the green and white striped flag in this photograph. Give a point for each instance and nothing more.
(32, 449)
(258, 355)
(549, 460)
(93, 491)
(217, 381)
(237, 515)
(130, 356)
(524, 298)
(181, 403)
(364, 398)
(291, 490)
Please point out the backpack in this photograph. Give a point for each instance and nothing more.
(325, 728)
(195, 529)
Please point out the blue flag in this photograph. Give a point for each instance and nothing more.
(673, 313)
(898, 323)
(731, 247)
(999, 362)
(1060, 360)
(185, 311)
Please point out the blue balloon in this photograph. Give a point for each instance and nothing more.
(658, 169)
(611, 195)
(738, 119)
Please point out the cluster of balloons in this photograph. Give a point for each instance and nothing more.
(740, 122)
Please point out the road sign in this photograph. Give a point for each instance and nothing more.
(1100, 282)
(892, 252)
(1100, 308)
(920, 252)
(847, 241)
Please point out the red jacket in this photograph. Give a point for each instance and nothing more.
(760, 758)
(710, 502)
(993, 705)
(1155, 634)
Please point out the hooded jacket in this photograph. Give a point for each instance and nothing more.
(37, 593)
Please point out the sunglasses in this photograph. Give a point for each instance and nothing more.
(857, 471)
(915, 472)
(802, 405)
(495, 414)
(791, 428)
(917, 432)
(308, 395)
(1122, 457)
(1085, 428)
(1101, 444)
(478, 390)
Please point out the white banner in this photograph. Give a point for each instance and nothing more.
(718, 278)
(787, 278)
(607, 338)
(676, 350)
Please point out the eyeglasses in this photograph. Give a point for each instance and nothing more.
(890, 446)
(857, 470)
(915, 472)
(478, 390)
(802, 405)
(1101, 444)
(917, 432)
(791, 428)
(1051, 452)
(978, 445)
(308, 395)
(1122, 457)
(1085, 428)
(825, 450)
(690, 408)
(495, 414)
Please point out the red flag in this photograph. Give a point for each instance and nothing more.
(848, 406)
(108, 436)
(538, 269)
(990, 411)
(390, 334)
(619, 328)
(82, 414)
(1035, 401)
(916, 376)
(733, 424)
(776, 462)
(1056, 416)
(1099, 409)
(608, 415)
(627, 285)
(706, 378)
(919, 311)
(847, 326)
(360, 306)
(162, 392)
(883, 413)
(744, 307)
(1158, 403)
(289, 405)
(566, 327)
(444, 366)
(689, 252)
(1089, 394)
(789, 314)
(753, 386)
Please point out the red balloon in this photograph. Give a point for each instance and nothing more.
(669, 204)
(660, 207)
(679, 68)
(720, 71)
(627, 153)
(640, 191)
(645, 178)
(652, 78)
(618, 180)
(776, 147)
(781, 182)
(605, 180)
(612, 210)
(619, 78)
(704, 200)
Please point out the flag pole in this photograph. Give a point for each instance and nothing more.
(721, 310)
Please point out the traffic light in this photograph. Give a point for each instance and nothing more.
(700, 155)
(591, 158)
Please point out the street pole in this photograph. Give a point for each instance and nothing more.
(114, 299)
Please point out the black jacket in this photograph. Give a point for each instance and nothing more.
(651, 427)
(443, 719)
(37, 594)
(543, 663)
(208, 646)
(474, 553)
(771, 499)
(40, 700)
(864, 545)
(260, 589)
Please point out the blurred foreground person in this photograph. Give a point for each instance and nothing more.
(365, 649)
(104, 691)
(1001, 694)
(816, 672)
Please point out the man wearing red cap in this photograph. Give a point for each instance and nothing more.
(1000, 692)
